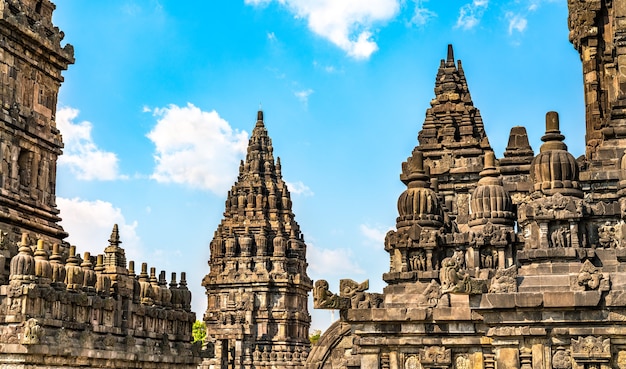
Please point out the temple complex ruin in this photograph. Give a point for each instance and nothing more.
(58, 309)
(494, 263)
(502, 263)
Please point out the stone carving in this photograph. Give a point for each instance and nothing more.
(489, 258)
(431, 295)
(560, 237)
(435, 355)
(462, 362)
(621, 360)
(455, 280)
(561, 359)
(590, 278)
(412, 362)
(355, 292)
(591, 347)
(417, 261)
(32, 332)
(504, 281)
(324, 299)
(609, 235)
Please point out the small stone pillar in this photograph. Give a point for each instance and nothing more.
(543, 236)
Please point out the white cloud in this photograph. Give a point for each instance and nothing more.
(374, 234)
(271, 36)
(89, 224)
(303, 96)
(421, 14)
(517, 22)
(196, 148)
(299, 188)
(327, 262)
(347, 24)
(81, 155)
(471, 14)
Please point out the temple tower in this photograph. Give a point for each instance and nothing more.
(257, 285)
(453, 139)
(30, 143)
(598, 31)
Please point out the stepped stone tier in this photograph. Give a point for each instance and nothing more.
(257, 286)
(93, 312)
(532, 277)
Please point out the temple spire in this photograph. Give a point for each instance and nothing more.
(453, 138)
(258, 244)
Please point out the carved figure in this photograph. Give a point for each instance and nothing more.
(448, 275)
(324, 299)
(590, 278)
(504, 281)
(561, 359)
(560, 237)
(412, 362)
(33, 332)
(608, 235)
(435, 355)
(462, 362)
(591, 346)
(417, 261)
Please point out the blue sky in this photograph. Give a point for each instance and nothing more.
(157, 110)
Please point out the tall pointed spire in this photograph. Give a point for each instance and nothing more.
(258, 244)
(453, 138)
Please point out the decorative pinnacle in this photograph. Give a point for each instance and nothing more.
(450, 58)
(259, 118)
(489, 174)
(553, 139)
(114, 240)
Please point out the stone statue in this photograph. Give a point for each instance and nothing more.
(32, 333)
(324, 299)
(504, 281)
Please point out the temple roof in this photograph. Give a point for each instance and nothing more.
(452, 118)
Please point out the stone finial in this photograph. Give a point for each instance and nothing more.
(553, 138)
(74, 275)
(131, 268)
(489, 174)
(185, 293)
(22, 267)
(259, 118)
(58, 269)
(146, 294)
(89, 275)
(114, 254)
(450, 55)
(99, 267)
(154, 283)
(518, 144)
(114, 240)
(177, 295)
(554, 169)
(43, 269)
(166, 294)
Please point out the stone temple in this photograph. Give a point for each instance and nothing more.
(494, 263)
